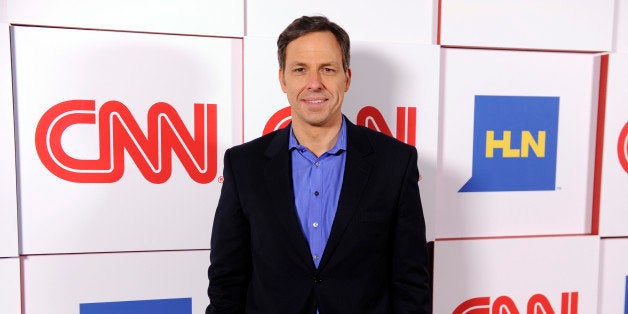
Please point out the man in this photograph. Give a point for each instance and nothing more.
(321, 216)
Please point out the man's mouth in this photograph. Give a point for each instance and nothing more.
(315, 101)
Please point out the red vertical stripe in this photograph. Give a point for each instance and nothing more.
(599, 146)
(574, 303)
(401, 123)
(564, 303)
(438, 27)
(412, 126)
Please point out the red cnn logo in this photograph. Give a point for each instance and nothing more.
(537, 304)
(368, 116)
(622, 147)
(118, 132)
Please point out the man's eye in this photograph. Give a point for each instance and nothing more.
(328, 70)
(298, 70)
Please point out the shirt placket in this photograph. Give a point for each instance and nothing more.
(316, 212)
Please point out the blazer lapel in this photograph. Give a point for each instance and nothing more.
(278, 176)
(358, 166)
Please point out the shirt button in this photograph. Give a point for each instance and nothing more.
(316, 257)
(316, 193)
(315, 224)
(317, 164)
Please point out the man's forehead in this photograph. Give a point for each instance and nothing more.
(313, 48)
(320, 40)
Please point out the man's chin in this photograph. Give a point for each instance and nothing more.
(321, 123)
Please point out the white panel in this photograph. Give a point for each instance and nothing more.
(613, 289)
(385, 76)
(562, 208)
(3, 11)
(613, 197)
(398, 21)
(10, 301)
(262, 92)
(620, 37)
(215, 17)
(60, 283)
(517, 268)
(535, 24)
(8, 205)
(137, 70)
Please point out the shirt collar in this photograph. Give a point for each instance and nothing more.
(341, 142)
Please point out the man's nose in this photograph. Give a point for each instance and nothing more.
(314, 81)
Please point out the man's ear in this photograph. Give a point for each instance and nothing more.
(282, 80)
(348, 80)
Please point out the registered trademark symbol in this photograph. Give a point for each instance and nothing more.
(221, 179)
(558, 188)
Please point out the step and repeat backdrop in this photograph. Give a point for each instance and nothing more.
(114, 117)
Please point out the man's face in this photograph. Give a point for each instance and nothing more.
(314, 80)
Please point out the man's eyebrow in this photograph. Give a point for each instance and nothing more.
(333, 64)
(303, 64)
(297, 64)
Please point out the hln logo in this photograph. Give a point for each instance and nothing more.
(514, 144)
(159, 306)
(626, 298)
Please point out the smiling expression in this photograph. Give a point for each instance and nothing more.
(314, 80)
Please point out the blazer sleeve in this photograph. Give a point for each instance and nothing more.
(411, 281)
(230, 253)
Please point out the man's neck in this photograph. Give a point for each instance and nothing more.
(318, 139)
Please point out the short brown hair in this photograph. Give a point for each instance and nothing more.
(309, 24)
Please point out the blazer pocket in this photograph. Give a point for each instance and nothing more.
(374, 226)
(370, 216)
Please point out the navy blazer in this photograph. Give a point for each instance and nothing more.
(375, 260)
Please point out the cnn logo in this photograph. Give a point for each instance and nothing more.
(622, 147)
(368, 116)
(537, 304)
(119, 132)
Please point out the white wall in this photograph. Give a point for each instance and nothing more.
(147, 222)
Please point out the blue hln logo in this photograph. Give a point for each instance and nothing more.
(626, 298)
(514, 144)
(161, 306)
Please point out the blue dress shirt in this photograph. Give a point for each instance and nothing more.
(317, 183)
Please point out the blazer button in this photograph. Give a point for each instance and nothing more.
(317, 279)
